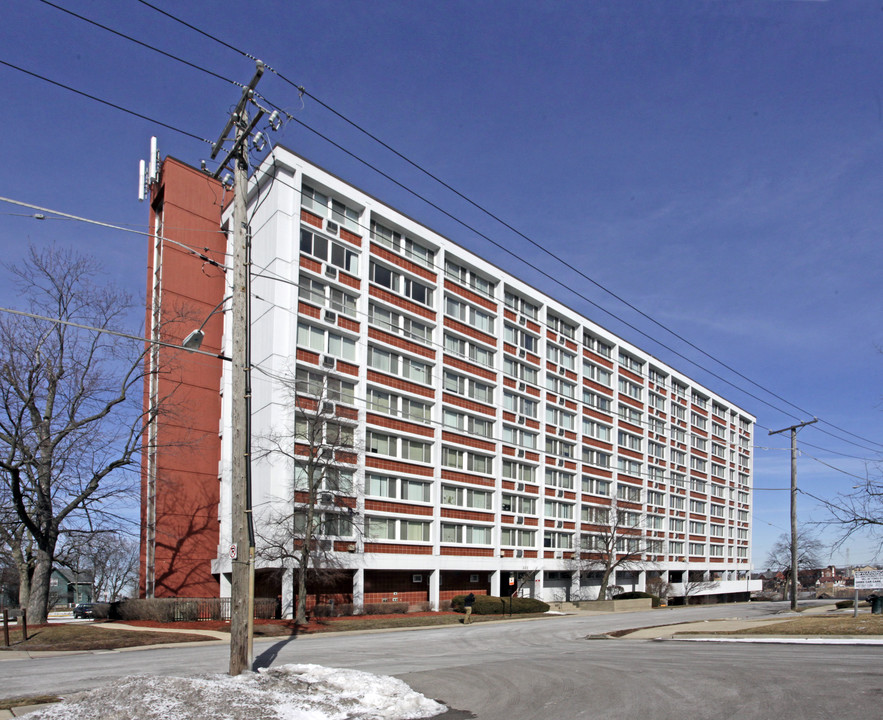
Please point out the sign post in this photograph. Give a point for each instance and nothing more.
(866, 580)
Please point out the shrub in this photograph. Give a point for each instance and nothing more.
(491, 605)
(843, 604)
(345, 609)
(100, 611)
(321, 611)
(638, 595)
(420, 607)
(397, 608)
(155, 609)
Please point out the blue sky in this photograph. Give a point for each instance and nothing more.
(718, 164)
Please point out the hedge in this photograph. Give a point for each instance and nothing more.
(490, 605)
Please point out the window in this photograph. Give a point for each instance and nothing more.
(678, 411)
(559, 510)
(655, 547)
(393, 364)
(717, 470)
(655, 449)
(627, 440)
(656, 401)
(560, 386)
(678, 457)
(520, 305)
(698, 421)
(469, 350)
(599, 402)
(519, 504)
(466, 497)
(596, 457)
(324, 478)
(460, 385)
(679, 389)
(698, 464)
(465, 534)
(627, 387)
(697, 548)
(697, 506)
(520, 339)
(463, 460)
(377, 528)
(655, 522)
(559, 478)
(595, 515)
(716, 510)
(399, 488)
(596, 486)
(520, 405)
(700, 443)
(397, 323)
(393, 446)
(676, 502)
(391, 404)
(324, 523)
(597, 345)
(697, 485)
(318, 431)
(697, 528)
(325, 341)
(560, 357)
(678, 479)
(561, 326)
(654, 497)
(629, 414)
(657, 376)
(597, 373)
(629, 493)
(519, 538)
(699, 400)
(716, 530)
(675, 547)
(398, 243)
(560, 418)
(559, 447)
(467, 423)
(470, 315)
(329, 251)
(519, 471)
(629, 467)
(718, 430)
(313, 291)
(520, 370)
(517, 436)
(594, 429)
(561, 541)
(401, 284)
(675, 525)
(469, 278)
(327, 207)
(324, 386)
(631, 363)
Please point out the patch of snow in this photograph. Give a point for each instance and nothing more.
(289, 692)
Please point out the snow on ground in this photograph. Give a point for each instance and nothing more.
(289, 692)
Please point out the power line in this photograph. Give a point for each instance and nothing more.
(105, 102)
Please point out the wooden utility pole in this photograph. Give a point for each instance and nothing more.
(794, 429)
(242, 552)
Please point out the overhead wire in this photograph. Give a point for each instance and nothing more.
(302, 91)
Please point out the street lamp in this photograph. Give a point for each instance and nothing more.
(193, 341)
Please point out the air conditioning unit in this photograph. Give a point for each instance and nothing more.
(562, 370)
(332, 227)
(331, 272)
(562, 401)
(519, 553)
(521, 453)
(522, 387)
(519, 520)
(560, 493)
(326, 498)
(522, 320)
(325, 544)
(559, 524)
(328, 362)
(330, 316)
(519, 487)
(327, 408)
(560, 432)
(560, 462)
(558, 555)
(522, 353)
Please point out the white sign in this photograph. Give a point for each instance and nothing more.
(868, 579)
(233, 552)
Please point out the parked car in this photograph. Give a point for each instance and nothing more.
(84, 610)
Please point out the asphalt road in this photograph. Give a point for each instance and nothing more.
(542, 669)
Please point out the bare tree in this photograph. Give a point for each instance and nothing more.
(107, 557)
(693, 582)
(809, 553)
(70, 408)
(858, 511)
(616, 543)
(317, 521)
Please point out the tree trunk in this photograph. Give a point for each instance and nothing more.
(300, 617)
(38, 603)
(24, 583)
(605, 580)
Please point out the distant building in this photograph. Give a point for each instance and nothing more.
(68, 588)
(493, 426)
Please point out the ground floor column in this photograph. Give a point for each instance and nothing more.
(434, 589)
(359, 587)
(495, 583)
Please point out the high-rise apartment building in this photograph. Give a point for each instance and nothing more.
(488, 437)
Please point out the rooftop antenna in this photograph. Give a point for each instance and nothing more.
(148, 171)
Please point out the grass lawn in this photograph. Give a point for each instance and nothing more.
(864, 624)
(88, 636)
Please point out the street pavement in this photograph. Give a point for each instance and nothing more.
(545, 668)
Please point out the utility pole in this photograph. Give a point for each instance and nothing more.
(242, 552)
(794, 429)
